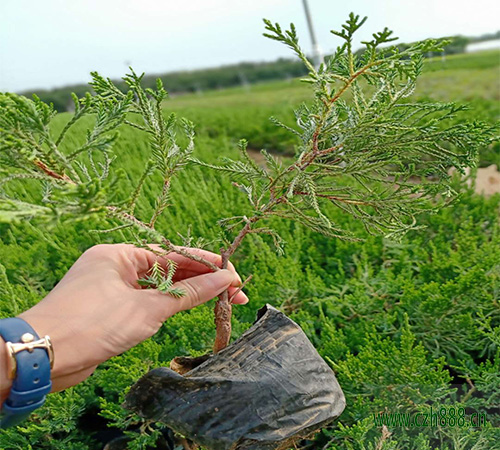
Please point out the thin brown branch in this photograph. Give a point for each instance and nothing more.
(45, 169)
(223, 307)
(338, 199)
(314, 153)
(114, 211)
(185, 253)
(161, 206)
(326, 151)
(237, 240)
(351, 80)
(240, 288)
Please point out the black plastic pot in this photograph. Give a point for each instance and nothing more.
(263, 392)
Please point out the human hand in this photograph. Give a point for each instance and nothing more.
(98, 310)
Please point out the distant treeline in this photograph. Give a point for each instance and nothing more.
(226, 76)
(193, 81)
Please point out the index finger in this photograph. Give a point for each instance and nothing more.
(191, 265)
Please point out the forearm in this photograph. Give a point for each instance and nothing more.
(72, 363)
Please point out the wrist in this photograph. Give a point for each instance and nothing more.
(5, 381)
(60, 337)
(30, 360)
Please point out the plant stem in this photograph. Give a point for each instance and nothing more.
(186, 254)
(240, 288)
(223, 307)
(69, 124)
(223, 312)
(42, 166)
(333, 197)
(147, 171)
(161, 202)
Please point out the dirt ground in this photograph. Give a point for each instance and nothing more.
(487, 180)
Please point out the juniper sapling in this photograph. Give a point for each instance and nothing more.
(362, 146)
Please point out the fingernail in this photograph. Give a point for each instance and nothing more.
(237, 281)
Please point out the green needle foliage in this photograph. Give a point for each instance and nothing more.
(157, 278)
(396, 154)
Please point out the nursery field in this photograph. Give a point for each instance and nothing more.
(473, 79)
(407, 326)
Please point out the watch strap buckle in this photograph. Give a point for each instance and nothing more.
(28, 344)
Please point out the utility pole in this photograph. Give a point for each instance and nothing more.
(317, 55)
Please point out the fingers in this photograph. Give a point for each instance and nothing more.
(197, 290)
(187, 269)
(185, 263)
(203, 288)
(142, 259)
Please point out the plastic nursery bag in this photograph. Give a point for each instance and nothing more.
(265, 391)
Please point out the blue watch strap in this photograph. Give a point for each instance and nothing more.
(32, 382)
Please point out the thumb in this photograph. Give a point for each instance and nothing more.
(202, 288)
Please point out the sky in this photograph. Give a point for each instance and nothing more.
(52, 43)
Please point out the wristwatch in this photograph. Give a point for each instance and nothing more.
(29, 362)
